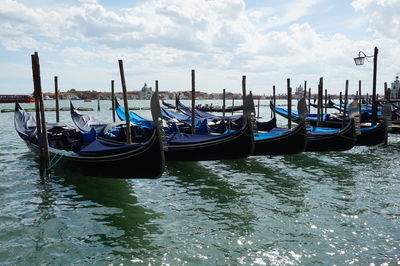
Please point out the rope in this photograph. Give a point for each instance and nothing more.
(63, 152)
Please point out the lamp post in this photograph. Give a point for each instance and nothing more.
(360, 61)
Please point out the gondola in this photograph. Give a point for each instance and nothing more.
(196, 147)
(171, 106)
(71, 150)
(368, 135)
(270, 140)
(366, 110)
(202, 114)
(372, 135)
(366, 113)
(234, 145)
(228, 109)
(280, 141)
(328, 139)
(332, 140)
(328, 120)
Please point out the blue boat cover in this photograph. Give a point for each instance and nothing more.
(202, 127)
(201, 124)
(261, 136)
(183, 138)
(368, 128)
(102, 147)
(135, 118)
(172, 128)
(364, 109)
(89, 136)
(201, 114)
(294, 113)
(168, 114)
(198, 113)
(323, 129)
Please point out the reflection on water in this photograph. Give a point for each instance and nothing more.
(221, 201)
(132, 225)
(310, 208)
(284, 187)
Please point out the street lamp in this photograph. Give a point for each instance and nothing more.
(360, 61)
(361, 57)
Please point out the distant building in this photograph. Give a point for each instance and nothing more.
(145, 93)
(395, 89)
(299, 91)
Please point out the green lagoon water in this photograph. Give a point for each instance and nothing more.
(312, 208)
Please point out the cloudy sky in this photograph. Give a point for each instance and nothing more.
(269, 41)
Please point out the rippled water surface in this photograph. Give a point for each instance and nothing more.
(311, 208)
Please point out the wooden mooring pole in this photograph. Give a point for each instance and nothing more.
(113, 100)
(289, 102)
(43, 143)
(305, 89)
(320, 93)
(387, 95)
(233, 102)
(57, 102)
(326, 101)
(193, 102)
(374, 96)
(359, 99)
(345, 102)
(125, 96)
(223, 102)
(273, 101)
(244, 86)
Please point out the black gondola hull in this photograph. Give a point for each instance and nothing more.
(144, 163)
(233, 147)
(343, 140)
(292, 142)
(372, 137)
(143, 160)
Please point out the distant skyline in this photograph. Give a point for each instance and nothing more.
(268, 41)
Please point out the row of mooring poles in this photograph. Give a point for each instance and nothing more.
(319, 111)
(323, 100)
(39, 103)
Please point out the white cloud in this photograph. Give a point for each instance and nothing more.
(291, 12)
(166, 38)
(383, 16)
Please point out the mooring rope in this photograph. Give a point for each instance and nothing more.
(63, 152)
